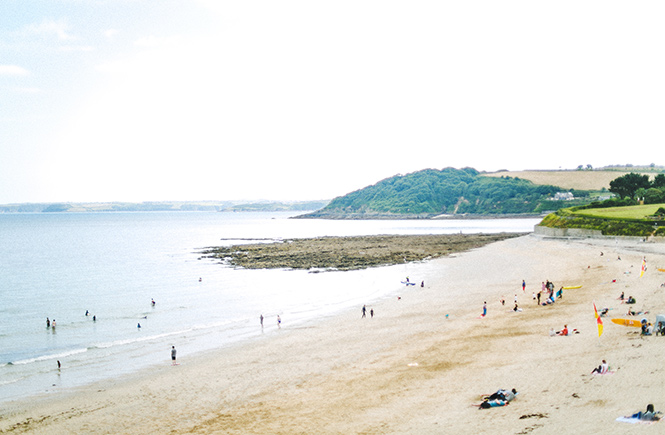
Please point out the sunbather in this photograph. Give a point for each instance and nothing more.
(500, 398)
(649, 415)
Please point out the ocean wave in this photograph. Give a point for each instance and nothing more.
(48, 357)
(154, 337)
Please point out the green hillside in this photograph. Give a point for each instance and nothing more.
(432, 192)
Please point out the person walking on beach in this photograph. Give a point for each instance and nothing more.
(484, 309)
(173, 353)
(523, 286)
(538, 297)
(261, 318)
(279, 322)
(364, 311)
(371, 313)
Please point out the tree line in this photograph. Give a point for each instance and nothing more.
(635, 187)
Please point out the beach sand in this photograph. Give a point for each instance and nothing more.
(411, 369)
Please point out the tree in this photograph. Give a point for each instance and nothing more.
(654, 196)
(626, 186)
(659, 181)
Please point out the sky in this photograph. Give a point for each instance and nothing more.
(143, 100)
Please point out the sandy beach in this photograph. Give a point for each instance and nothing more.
(419, 365)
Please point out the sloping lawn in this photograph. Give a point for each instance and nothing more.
(630, 212)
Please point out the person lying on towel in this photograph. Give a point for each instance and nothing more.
(500, 398)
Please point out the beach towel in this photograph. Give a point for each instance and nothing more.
(634, 420)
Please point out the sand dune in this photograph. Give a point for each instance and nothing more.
(411, 369)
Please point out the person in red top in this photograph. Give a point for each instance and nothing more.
(564, 331)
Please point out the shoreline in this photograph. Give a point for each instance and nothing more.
(410, 369)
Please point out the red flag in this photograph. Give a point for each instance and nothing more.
(598, 320)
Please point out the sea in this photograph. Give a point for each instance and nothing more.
(95, 275)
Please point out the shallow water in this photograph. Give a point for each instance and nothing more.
(112, 264)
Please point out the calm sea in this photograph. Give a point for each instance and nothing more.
(111, 265)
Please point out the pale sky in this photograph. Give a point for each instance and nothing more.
(143, 100)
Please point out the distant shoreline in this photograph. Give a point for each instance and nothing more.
(389, 216)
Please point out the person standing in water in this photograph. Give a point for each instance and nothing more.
(261, 318)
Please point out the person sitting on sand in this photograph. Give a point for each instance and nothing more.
(631, 300)
(649, 415)
(601, 369)
(564, 331)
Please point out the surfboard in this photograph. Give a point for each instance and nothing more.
(628, 322)
(661, 270)
(570, 287)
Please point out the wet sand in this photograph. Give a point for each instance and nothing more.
(411, 369)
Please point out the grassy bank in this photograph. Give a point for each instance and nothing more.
(636, 220)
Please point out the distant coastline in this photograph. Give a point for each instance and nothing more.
(206, 206)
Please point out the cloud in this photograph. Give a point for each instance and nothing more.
(13, 70)
(28, 90)
(110, 33)
(49, 27)
(156, 42)
(77, 48)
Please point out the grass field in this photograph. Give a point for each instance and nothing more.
(631, 212)
(581, 180)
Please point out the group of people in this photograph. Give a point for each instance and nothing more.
(279, 321)
(548, 287)
(563, 332)
(647, 327)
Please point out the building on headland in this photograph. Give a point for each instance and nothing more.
(563, 196)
